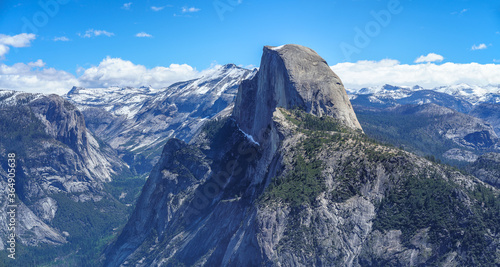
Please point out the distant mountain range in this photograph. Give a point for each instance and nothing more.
(138, 121)
(455, 124)
(84, 157)
(470, 93)
(288, 178)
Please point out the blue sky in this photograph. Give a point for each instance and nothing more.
(74, 36)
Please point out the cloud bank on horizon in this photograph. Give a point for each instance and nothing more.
(36, 77)
(367, 73)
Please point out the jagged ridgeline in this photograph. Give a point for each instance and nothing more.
(290, 179)
(65, 180)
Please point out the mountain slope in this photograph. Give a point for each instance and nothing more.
(472, 94)
(391, 96)
(487, 168)
(489, 113)
(308, 190)
(430, 129)
(138, 121)
(291, 76)
(61, 169)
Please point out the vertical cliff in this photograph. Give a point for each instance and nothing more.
(290, 180)
(61, 174)
(291, 76)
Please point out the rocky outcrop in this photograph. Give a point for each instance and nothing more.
(203, 206)
(308, 190)
(291, 76)
(56, 156)
(487, 168)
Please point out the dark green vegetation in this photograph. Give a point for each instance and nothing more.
(125, 189)
(20, 129)
(420, 198)
(414, 133)
(488, 164)
(91, 225)
(306, 121)
(304, 182)
(300, 186)
(427, 201)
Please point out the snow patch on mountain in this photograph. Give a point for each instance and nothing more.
(473, 94)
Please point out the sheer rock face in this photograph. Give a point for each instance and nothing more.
(137, 122)
(55, 155)
(291, 76)
(227, 198)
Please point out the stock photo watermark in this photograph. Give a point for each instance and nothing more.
(363, 36)
(11, 205)
(223, 6)
(48, 9)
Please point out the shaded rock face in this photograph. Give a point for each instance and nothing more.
(307, 193)
(489, 112)
(487, 168)
(187, 215)
(137, 122)
(64, 122)
(291, 76)
(56, 155)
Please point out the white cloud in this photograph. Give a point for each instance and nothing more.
(190, 9)
(35, 78)
(126, 6)
(143, 34)
(37, 64)
(62, 38)
(157, 8)
(91, 33)
(431, 57)
(119, 72)
(388, 71)
(479, 47)
(20, 40)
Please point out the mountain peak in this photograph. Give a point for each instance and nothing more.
(291, 76)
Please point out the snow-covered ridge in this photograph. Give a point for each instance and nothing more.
(119, 101)
(128, 101)
(277, 47)
(10, 97)
(141, 119)
(222, 74)
(473, 94)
